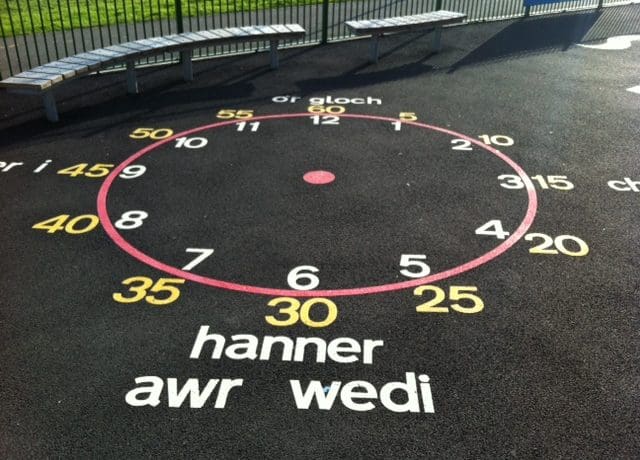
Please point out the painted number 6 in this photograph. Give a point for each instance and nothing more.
(303, 272)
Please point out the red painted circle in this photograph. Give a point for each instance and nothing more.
(319, 177)
(474, 263)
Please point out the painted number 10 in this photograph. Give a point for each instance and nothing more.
(191, 142)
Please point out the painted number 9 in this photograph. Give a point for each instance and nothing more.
(295, 312)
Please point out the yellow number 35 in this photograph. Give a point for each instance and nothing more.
(140, 286)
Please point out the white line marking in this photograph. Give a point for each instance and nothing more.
(621, 42)
(635, 89)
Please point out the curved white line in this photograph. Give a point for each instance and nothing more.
(620, 42)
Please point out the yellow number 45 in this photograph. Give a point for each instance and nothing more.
(140, 286)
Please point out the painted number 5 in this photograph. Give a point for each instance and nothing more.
(472, 303)
(414, 261)
(140, 286)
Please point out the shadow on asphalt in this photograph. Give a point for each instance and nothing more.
(551, 34)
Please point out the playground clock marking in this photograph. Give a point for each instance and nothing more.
(411, 269)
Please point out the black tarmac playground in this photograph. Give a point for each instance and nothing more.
(435, 256)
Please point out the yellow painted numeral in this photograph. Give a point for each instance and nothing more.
(97, 170)
(408, 116)
(295, 312)
(456, 293)
(140, 286)
(330, 109)
(74, 226)
(557, 245)
(229, 114)
(151, 133)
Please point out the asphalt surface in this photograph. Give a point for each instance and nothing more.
(529, 339)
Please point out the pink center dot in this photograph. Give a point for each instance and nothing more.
(319, 177)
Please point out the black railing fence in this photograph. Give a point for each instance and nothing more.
(34, 32)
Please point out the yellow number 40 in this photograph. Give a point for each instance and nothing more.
(140, 286)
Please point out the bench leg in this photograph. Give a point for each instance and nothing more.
(273, 51)
(187, 65)
(132, 81)
(374, 48)
(437, 39)
(50, 106)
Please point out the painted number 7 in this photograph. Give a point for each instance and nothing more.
(204, 253)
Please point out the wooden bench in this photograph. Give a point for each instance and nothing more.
(41, 80)
(377, 27)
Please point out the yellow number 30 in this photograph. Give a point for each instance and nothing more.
(141, 285)
(295, 312)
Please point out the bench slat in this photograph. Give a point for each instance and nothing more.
(267, 30)
(398, 23)
(209, 35)
(26, 83)
(193, 36)
(123, 50)
(50, 70)
(237, 31)
(180, 38)
(222, 33)
(93, 65)
(30, 74)
(90, 56)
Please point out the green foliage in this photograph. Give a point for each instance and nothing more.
(18, 17)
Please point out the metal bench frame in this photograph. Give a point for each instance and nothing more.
(377, 27)
(41, 80)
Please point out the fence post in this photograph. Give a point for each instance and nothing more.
(600, 2)
(325, 21)
(438, 5)
(179, 21)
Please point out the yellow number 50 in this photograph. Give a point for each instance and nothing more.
(140, 286)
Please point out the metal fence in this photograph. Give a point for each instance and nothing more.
(34, 32)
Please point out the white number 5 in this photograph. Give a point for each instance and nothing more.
(414, 260)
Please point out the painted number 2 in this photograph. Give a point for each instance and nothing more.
(473, 303)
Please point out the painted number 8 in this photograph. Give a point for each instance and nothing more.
(131, 220)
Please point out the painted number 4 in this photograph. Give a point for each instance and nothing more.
(492, 228)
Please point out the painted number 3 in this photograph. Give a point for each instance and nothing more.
(140, 286)
(295, 312)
